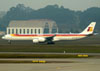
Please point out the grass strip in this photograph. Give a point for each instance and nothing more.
(39, 56)
(50, 48)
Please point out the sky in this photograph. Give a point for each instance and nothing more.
(36, 4)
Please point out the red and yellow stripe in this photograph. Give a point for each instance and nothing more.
(46, 35)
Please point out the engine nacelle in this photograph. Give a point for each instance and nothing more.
(40, 39)
(35, 41)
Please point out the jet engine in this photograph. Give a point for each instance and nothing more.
(40, 39)
(35, 41)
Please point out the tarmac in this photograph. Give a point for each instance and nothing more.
(76, 64)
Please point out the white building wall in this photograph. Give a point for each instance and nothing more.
(17, 30)
(37, 31)
(41, 31)
(22, 31)
(33, 31)
(29, 30)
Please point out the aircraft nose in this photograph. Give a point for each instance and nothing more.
(3, 37)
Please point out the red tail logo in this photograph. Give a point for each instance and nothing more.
(90, 29)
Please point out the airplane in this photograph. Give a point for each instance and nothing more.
(51, 38)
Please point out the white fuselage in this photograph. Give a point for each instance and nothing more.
(41, 37)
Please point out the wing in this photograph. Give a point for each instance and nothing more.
(50, 39)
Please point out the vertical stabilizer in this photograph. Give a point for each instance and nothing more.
(89, 29)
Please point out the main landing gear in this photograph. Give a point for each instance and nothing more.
(50, 43)
(9, 41)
